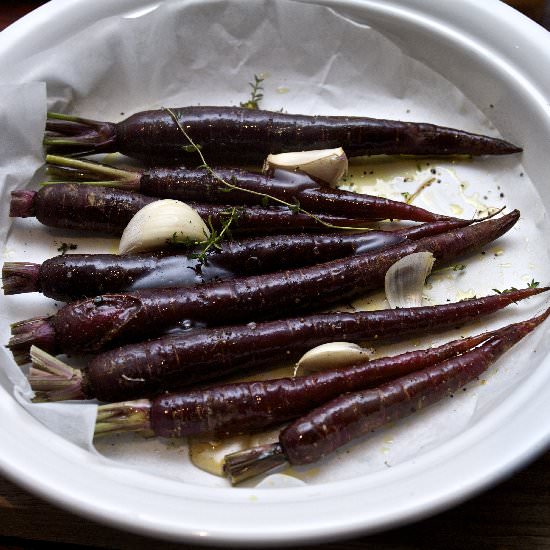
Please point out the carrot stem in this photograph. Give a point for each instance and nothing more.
(131, 416)
(124, 179)
(53, 380)
(253, 462)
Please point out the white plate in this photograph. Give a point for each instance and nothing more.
(487, 50)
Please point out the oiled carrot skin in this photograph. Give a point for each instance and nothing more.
(114, 319)
(240, 135)
(246, 407)
(323, 430)
(74, 276)
(107, 210)
(202, 186)
(86, 208)
(177, 361)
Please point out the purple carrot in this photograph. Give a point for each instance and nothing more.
(237, 187)
(184, 359)
(106, 210)
(334, 424)
(73, 276)
(113, 319)
(246, 407)
(245, 135)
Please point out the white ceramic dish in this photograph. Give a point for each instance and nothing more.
(459, 39)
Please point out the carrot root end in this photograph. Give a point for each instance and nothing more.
(20, 277)
(37, 331)
(22, 204)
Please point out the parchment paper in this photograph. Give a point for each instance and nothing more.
(315, 62)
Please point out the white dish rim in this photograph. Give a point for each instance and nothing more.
(58, 476)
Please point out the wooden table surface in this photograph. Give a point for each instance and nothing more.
(513, 515)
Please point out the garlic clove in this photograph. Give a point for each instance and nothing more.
(327, 165)
(208, 454)
(331, 356)
(154, 225)
(405, 279)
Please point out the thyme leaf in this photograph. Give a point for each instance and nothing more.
(216, 237)
(178, 238)
(191, 148)
(66, 246)
(505, 291)
(256, 94)
(295, 207)
(211, 241)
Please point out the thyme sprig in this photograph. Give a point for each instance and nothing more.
(409, 197)
(66, 246)
(256, 94)
(532, 284)
(212, 240)
(216, 237)
(264, 197)
(506, 290)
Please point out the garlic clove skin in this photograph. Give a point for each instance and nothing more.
(331, 356)
(327, 165)
(154, 225)
(405, 279)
